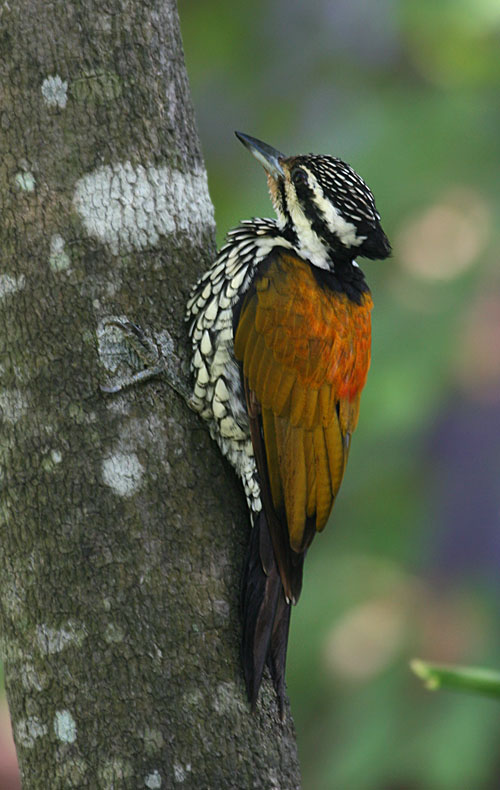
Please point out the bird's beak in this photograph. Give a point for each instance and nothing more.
(267, 156)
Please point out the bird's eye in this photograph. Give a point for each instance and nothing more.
(299, 176)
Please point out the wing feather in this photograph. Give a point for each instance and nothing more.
(283, 389)
(311, 474)
(326, 404)
(273, 459)
(298, 403)
(305, 354)
(310, 409)
(324, 497)
(295, 479)
(336, 453)
(255, 359)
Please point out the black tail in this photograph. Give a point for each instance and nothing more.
(266, 614)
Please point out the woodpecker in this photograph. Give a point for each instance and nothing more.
(280, 330)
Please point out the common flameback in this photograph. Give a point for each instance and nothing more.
(280, 330)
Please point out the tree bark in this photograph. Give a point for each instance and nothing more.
(122, 530)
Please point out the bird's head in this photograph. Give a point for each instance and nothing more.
(322, 204)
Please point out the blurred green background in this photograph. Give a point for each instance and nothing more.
(408, 92)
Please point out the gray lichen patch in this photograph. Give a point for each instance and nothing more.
(65, 726)
(129, 207)
(53, 640)
(228, 699)
(153, 780)
(59, 259)
(51, 460)
(25, 181)
(32, 679)
(28, 730)
(10, 284)
(123, 472)
(55, 91)
(181, 772)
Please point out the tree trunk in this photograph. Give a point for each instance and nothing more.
(122, 530)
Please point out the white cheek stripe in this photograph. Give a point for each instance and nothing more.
(345, 231)
(309, 245)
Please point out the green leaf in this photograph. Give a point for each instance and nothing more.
(470, 679)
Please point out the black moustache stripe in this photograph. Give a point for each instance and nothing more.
(318, 222)
(344, 277)
(289, 232)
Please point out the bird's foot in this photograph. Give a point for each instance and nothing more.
(124, 345)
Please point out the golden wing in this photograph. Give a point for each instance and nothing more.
(305, 349)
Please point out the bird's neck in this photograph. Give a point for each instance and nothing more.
(333, 268)
(328, 254)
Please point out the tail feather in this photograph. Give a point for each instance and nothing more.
(266, 615)
(276, 657)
